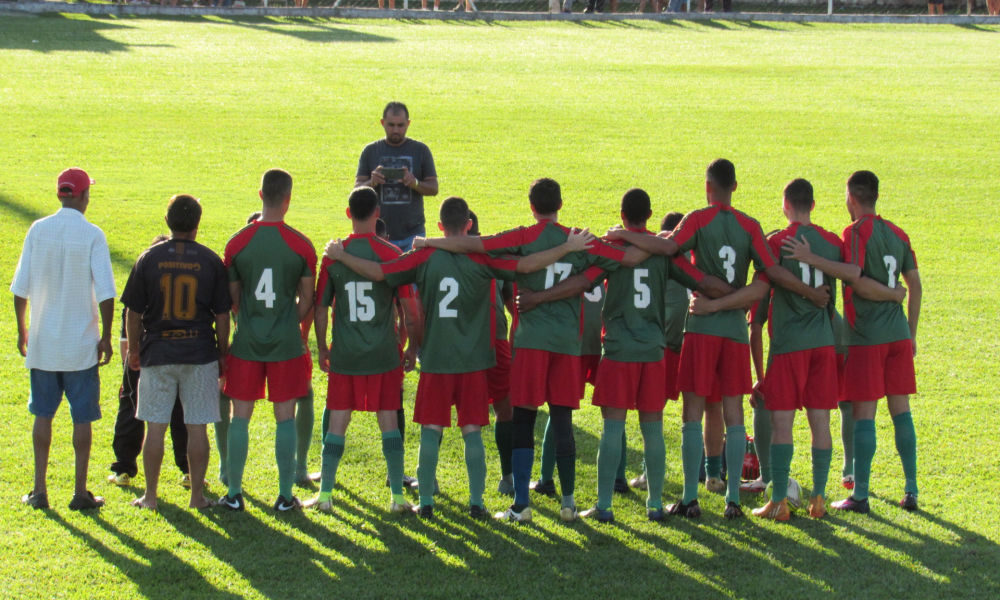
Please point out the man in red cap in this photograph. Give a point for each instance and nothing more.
(65, 274)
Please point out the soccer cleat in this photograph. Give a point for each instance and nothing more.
(401, 509)
(424, 512)
(656, 514)
(599, 515)
(777, 511)
(407, 481)
(283, 504)
(316, 476)
(568, 513)
(86, 502)
(715, 485)
(909, 502)
(517, 517)
(817, 507)
(847, 482)
(756, 486)
(733, 510)
(412, 483)
(478, 512)
(690, 510)
(35, 500)
(543, 487)
(794, 494)
(621, 486)
(852, 505)
(234, 503)
(325, 506)
(639, 483)
(120, 479)
(505, 488)
(302, 478)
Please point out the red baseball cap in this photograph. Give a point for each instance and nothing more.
(76, 180)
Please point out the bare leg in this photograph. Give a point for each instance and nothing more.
(819, 425)
(41, 438)
(197, 448)
(81, 447)
(715, 429)
(339, 420)
(152, 461)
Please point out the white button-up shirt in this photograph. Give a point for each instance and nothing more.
(64, 272)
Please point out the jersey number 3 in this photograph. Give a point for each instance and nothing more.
(728, 256)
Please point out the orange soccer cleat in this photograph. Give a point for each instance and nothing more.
(777, 511)
(817, 507)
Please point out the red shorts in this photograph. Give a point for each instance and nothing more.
(631, 385)
(804, 379)
(285, 379)
(498, 378)
(369, 393)
(712, 365)
(841, 361)
(588, 370)
(671, 362)
(438, 392)
(540, 376)
(873, 372)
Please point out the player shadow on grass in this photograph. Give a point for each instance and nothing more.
(319, 31)
(73, 35)
(158, 573)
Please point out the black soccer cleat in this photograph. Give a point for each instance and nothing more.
(621, 486)
(656, 514)
(853, 505)
(909, 502)
(598, 514)
(424, 512)
(234, 503)
(283, 504)
(543, 487)
(478, 512)
(733, 510)
(690, 510)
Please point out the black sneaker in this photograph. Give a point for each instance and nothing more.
(543, 487)
(853, 505)
(234, 503)
(284, 504)
(679, 509)
(599, 515)
(733, 510)
(424, 512)
(909, 502)
(621, 486)
(656, 514)
(478, 512)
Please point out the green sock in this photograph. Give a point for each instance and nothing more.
(608, 457)
(475, 464)
(713, 466)
(781, 466)
(567, 478)
(821, 469)
(655, 458)
(502, 433)
(736, 449)
(333, 450)
(692, 449)
(865, 444)
(548, 459)
(305, 418)
(762, 440)
(906, 446)
(430, 445)
(284, 454)
(239, 444)
(847, 436)
(622, 462)
(392, 449)
(222, 434)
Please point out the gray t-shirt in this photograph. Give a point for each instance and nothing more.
(402, 208)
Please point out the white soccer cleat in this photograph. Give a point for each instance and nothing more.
(509, 515)
(715, 485)
(639, 483)
(401, 509)
(754, 487)
(568, 513)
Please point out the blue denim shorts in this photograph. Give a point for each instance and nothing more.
(82, 390)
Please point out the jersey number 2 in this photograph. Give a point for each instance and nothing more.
(448, 284)
(890, 264)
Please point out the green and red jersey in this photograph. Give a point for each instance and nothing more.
(593, 325)
(503, 288)
(364, 340)
(795, 323)
(552, 326)
(268, 259)
(634, 319)
(676, 300)
(459, 293)
(883, 252)
(723, 242)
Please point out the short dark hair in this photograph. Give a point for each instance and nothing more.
(474, 230)
(722, 173)
(160, 238)
(799, 194)
(454, 214)
(380, 228)
(183, 213)
(863, 185)
(275, 186)
(636, 206)
(545, 195)
(253, 216)
(363, 201)
(395, 108)
(670, 221)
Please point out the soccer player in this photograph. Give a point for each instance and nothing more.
(269, 265)
(883, 340)
(715, 356)
(458, 293)
(546, 365)
(363, 356)
(633, 370)
(177, 291)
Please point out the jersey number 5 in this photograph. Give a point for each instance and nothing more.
(641, 289)
(179, 297)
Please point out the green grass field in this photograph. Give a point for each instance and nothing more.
(203, 106)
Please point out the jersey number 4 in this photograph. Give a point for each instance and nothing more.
(265, 289)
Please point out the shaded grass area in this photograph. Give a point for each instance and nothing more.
(204, 105)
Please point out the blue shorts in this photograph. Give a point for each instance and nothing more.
(406, 244)
(82, 389)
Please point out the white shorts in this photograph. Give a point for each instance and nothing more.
(198, 386)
